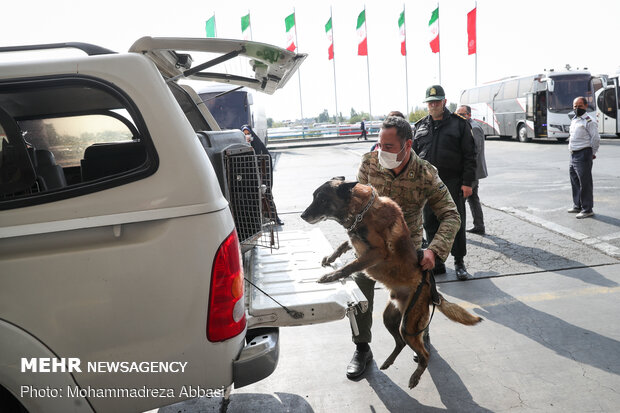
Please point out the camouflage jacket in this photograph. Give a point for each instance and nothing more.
(417, 184)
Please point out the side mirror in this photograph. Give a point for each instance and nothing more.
(550, 85)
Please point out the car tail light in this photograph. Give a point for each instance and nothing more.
(226, 317)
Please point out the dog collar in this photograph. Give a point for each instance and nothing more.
(360, 216)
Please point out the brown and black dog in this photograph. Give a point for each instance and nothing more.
(385, 252)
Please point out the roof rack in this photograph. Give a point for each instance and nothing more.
(89, 49)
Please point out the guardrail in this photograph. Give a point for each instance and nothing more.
(279, 134)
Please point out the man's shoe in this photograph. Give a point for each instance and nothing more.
(476, 230)
(440, 268)
(358, 363)
(573, 210)
(583, 214)
(461, 272)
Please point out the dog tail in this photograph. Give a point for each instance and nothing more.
(457, 313)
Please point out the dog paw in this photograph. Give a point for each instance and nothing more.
(326, 261)
(327, 278)
(414, 380)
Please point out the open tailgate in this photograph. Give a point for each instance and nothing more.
(288, 275)
(271, 66)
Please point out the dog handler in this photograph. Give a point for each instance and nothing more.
(395, 171)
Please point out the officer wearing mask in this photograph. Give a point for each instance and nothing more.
(445, 140)
(395, 171)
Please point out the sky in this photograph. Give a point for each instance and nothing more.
(515, 38)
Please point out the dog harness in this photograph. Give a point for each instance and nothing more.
(415, 297)
(360, 216)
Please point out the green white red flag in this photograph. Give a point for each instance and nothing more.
(210, 27)
(433, 26)
(362, 45)
(245, 27)
(290, 32)
(403, 35)
(330, 38)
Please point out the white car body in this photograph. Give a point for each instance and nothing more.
(119, 267)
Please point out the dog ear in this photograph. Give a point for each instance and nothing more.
(338, 178)
(345, 188)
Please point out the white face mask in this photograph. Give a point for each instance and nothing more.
(388, 159)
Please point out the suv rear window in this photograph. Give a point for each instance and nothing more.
(66, 137)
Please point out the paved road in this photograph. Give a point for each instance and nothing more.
(547, 285)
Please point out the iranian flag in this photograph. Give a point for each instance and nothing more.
(471, 32)
(362, 45)
(290, 32)
(403, 35)
(433, 26)
(245, 27)
(330, 38)
(210, 27)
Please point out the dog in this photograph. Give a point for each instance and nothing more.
(385, 252)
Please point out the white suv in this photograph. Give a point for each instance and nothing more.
(124, 216)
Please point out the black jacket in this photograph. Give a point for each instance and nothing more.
(447, 144)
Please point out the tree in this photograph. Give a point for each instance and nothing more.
(323, 117)
(353, 113)
(269, 122)
(417, 114)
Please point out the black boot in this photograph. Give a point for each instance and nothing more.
(461, 271)
(359, 362)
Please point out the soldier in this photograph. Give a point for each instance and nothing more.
(395, 171)
(446, 141)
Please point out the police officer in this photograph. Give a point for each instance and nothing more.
(395, 171)
(445, 140)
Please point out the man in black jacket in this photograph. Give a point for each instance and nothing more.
(445, 140)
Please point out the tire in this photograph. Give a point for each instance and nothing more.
(561, 139)
(522, 134)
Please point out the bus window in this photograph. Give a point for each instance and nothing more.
(525, 86)
(484, 94)
(510, 89)
(473, 96)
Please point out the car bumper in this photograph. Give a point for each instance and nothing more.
(259, 358)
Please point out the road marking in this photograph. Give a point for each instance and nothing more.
(610, 237)
(598, 243)
(533, 298)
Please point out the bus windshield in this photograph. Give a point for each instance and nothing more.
(566, 89)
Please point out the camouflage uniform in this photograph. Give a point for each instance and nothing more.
(416, 185)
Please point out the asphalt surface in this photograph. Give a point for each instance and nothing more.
(546, 285)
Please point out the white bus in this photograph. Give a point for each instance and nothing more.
(608, 108)
(528, 107)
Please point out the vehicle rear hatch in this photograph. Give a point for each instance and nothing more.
(271, 66)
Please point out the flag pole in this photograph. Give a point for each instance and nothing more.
(406, 71)
(250, 22)
(334, 66)
(476, 34)
(368, 68)
(301, 106)
(439, 34)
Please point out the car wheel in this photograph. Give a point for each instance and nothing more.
(561, 139)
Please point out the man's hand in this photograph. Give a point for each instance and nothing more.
(593, 157)
(467, 191)
(428, 262)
